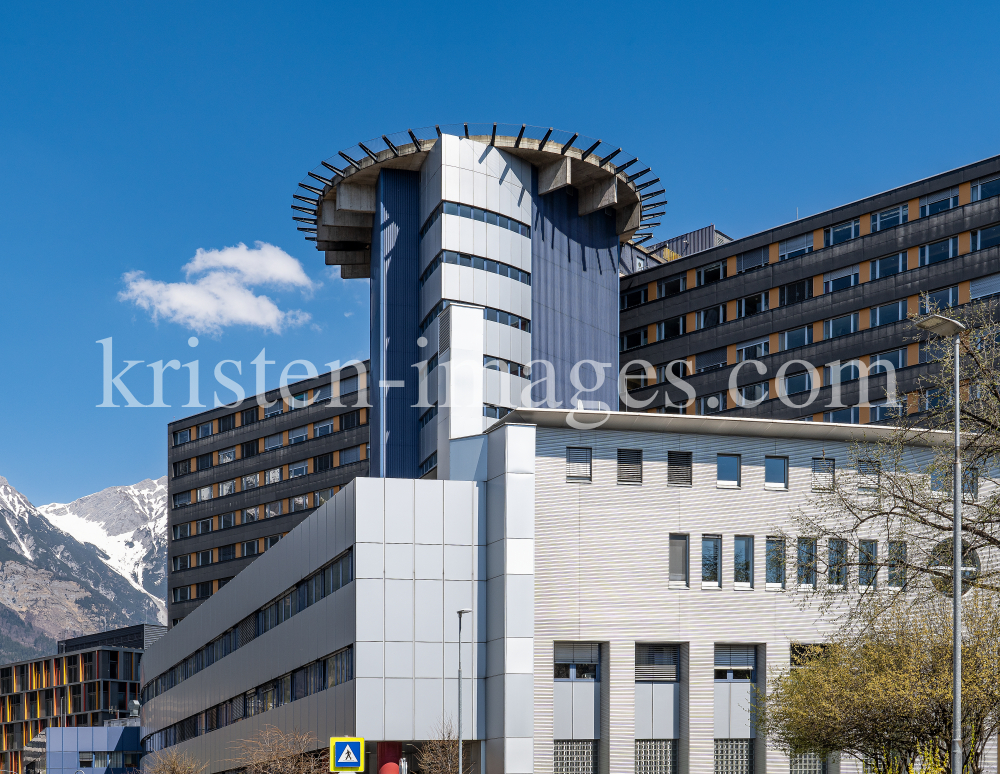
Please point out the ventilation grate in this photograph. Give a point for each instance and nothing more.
(630, 466)
(444, 331)
(679, 467)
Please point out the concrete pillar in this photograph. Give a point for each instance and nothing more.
(555, 175)
(603, 193)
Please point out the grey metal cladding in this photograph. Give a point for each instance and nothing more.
(395, 311)
(574, 298)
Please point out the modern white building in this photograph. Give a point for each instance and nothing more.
(626, 588)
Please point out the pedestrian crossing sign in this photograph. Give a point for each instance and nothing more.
(347, 753)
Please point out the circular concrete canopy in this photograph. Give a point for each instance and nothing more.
(590, 163)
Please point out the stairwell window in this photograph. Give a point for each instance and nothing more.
(894, 216)
(886, 267)
(630, 466)
(939, 251)
(679, 468)
(938, 202)
(711, 561)
(743, 562)
(842, 232)
(728, 471)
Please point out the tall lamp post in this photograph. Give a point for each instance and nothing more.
(945, 326)
(460, 614)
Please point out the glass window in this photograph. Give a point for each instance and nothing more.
(227, 488)
(227, 520)
(984, 189)
(841, 279)
(205, 430)
(796, 383)
(841, 326)
(249, 548)
(250, 514)
(841, 233)
(273, 410)
(891, 217)
(297, 469)
(728, 470)
(249, 416)
(712, 404)
(182, 436)
(668, 329)
(323, 428)
(709, 274)
(987, 237)
(883, 411)
(776, 472)
(634, 339)
(938, 202)
(751, 260)
(888, 313)
(298, 435)
(251, 481)
(204, 493)
(868, 563)
(796, 246)
(711, 559)
(709, 318)
(884, 360)
(272, 509)
(743, 561)
(806, 562)
(938, 251)
(750, 393)
(897, 564)
(273, 441)
(751, 305)
(844, 416)
(794, 292)
(227, 455)
(886, 267)
(775, 550)
(272, 476)
(633, 298)
(798, 337)
(678, 558)
(753, 350)
(182, 531)
(671, 286)
(938, 300)
(204, 461)
(838, 562)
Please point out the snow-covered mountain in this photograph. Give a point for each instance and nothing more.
(94, 564)
(129, 525)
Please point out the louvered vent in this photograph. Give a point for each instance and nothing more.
(679, 468)
(577, 653)
(656, 662)
(630, 466)
(578, 463)
(736, 656)
(823, 471)
(444, 330)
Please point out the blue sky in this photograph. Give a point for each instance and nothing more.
(133, 135)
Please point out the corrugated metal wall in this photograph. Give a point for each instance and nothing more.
(574, 292)
(394, 311)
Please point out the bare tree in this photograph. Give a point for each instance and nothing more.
(172, 761)
(440, 754)
(273, 751)
(896, 489)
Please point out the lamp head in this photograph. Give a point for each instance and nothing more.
(463, 612)
(940, 325)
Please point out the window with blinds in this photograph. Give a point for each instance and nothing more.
(578, 463)
(823, 473)
(736, 656)
(679, 467)
(657, 663)
(868, 475)
(630, 466)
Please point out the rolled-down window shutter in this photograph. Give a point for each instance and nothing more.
(985, 286)
(656, 662)
(711, 359)
(736, 656)
(630, 466)
(823, 472)
(578, 463)
(752, 259)
(577, 653)
(679, 468)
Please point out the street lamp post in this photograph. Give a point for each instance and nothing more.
(460, 614)
(944, 327)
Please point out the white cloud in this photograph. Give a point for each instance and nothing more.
(223, 296)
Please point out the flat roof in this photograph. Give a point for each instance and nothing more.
(708, 425)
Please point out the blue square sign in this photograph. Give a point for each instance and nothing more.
(347, 753)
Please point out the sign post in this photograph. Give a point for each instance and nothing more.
(347, 753)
